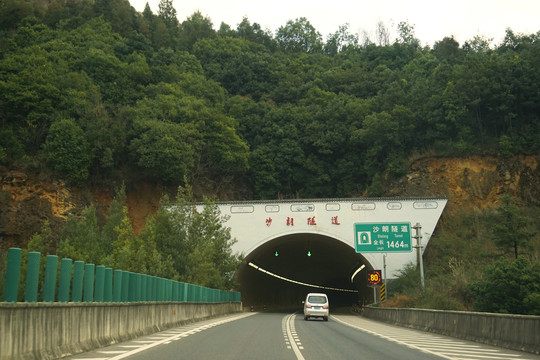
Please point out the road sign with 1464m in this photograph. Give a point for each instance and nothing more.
(387, 237)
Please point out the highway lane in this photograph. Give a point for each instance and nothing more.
(285, 336)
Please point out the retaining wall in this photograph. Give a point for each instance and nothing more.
(54, 330)
(517, 332)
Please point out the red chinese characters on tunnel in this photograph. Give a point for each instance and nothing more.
(289, 221)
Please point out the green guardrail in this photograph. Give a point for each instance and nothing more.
(68, 281)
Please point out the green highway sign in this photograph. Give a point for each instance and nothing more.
(386, 237)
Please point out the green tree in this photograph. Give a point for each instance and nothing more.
(211, 261)
(197, 240)
(510, 229)
(167, 65)
(30, 94)
(164, 149)
(115, 214)
(382, 140)
(66, 150)
(168, 229)
(13, 11)
(43, 242)
(11, 148)
(161, 231)
(340, 40)
(118, 12)
(447, 50)
(240, 66)
(510, 287)
(80, 239)
(407, 36)
(156, 263)
(263, 174)
(299, 36)
(254, 33)
(167, 13)
(195, 28)
(128, 251)
(161, 37)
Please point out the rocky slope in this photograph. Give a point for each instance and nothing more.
(475, 182)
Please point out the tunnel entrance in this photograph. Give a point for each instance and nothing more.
(320, 263)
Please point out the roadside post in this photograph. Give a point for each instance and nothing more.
(419, 247)
(384, 287)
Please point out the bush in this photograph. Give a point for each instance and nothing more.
(510, 287)
(399, 301)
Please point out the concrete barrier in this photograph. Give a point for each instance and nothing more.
(55, 330)
(517, 332)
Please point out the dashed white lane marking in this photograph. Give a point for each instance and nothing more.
(291, 340)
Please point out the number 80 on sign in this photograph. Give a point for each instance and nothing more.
(374, 277)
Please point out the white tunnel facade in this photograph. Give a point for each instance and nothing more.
(374, 227)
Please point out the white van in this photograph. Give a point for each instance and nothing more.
(316, 305)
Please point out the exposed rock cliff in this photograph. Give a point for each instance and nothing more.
(474, 182)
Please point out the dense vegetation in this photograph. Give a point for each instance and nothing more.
(184, 241)
(100, 92)
(94, 92)
(482, 260)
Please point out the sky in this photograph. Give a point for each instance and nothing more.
(432, 19)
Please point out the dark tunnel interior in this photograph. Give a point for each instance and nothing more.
(315, 260)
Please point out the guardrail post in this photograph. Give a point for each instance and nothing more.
(117, 289)
(132, 287)
(32, 277)
(108, 292)
(100, 283)
(13, 272)
(78, 276)
(164, 287)
(149, 292)
(125, 286)
(65, 280)
(49, 285)
(138, 287)
(176, 291)
(159, 289)
(184, 292)
(89, 282)
(153, 289)
(169, 283)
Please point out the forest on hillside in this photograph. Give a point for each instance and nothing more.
(95, 92)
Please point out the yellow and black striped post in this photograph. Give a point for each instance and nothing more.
(383, 292)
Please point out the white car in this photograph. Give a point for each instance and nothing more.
(316, 305)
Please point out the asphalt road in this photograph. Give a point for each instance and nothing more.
(274, 335)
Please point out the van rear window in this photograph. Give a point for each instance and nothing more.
(317, 299)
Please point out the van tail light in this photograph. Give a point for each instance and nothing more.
(308, 306)
(325, 307)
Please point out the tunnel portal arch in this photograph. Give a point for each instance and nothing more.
(260, 227)
(286, 267)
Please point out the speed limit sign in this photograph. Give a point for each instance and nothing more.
(374, 277)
